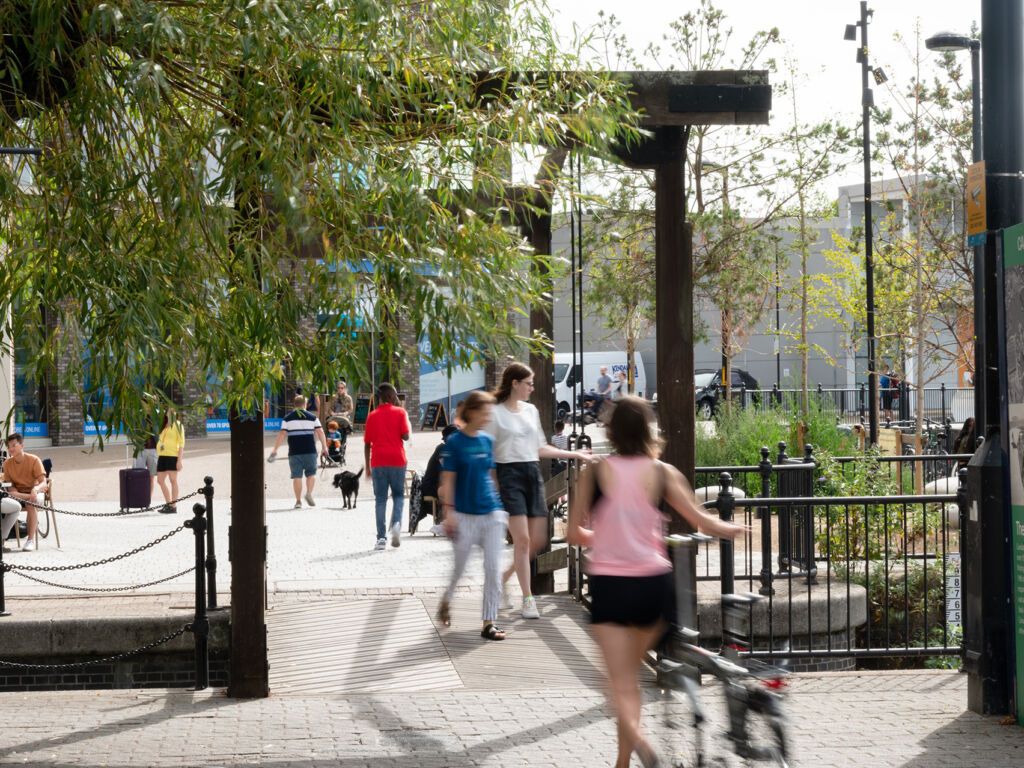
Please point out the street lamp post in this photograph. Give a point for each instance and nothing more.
(867, 101)
(707, 165)
(950, 41)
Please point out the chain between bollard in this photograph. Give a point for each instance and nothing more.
(107, 589)
(104, 561)
(119, 513)
(93, 662)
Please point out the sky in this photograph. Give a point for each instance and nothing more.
(812, 31)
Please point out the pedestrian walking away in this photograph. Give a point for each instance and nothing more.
(387, 430)
(170, 447)
(616, 514)
(305, 435)
(473, 512)
(519, 445)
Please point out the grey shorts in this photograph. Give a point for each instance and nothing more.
(302, 463)
(521, 489)
(147, 460)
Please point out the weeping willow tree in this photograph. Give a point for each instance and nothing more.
(218, 172)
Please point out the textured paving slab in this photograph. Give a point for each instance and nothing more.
(371, 645)
(891, 720)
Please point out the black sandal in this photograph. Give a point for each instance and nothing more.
(491, 632)
(444, 615)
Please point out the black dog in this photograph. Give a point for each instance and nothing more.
(348, 482)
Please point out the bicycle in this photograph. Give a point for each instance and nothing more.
(753, 690)
(935, 440)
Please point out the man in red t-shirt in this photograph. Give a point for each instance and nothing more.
(387, 429)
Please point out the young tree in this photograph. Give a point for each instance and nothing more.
(741, 182)
(924, 269)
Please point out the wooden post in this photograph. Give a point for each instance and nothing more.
(541, 323)
(674, 269)
(247, 538)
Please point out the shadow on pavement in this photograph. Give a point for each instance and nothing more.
(969, 737)
(175, 705)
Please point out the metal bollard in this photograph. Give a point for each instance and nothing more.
(726, 505)
(211, 552)
(584, 443)
(201, 623)
(3, 572)
(765, 514)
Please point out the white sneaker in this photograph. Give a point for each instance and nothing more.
(298, 505)
(506, 600)
(309, 499)
(396, 535)
(530, 608)
(381, 544)
(30, 545)
(437, 530)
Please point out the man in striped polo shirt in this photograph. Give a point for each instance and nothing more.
(304, 431)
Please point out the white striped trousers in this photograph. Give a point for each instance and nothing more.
(487, 531)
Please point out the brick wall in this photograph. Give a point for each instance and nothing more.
(409, 370)
(155, 670)
(65, 419)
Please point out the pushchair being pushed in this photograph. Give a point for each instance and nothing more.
(338, 430)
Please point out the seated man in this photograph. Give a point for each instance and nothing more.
(25, 473)
(10, 509)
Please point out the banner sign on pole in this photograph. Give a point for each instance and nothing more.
(977, 225)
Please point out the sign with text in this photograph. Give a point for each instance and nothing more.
(977, 225)
(1013, 296)
(954, 617)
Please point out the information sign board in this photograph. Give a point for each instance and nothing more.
(363, 406)
(1013, 296)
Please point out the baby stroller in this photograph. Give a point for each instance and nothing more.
(336, 445)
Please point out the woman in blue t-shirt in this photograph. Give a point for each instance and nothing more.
(473, 511)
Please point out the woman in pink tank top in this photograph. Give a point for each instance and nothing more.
(616, 514)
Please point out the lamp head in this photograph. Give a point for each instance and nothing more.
(949, 41)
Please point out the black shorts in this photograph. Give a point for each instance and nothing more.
(633, 601)
(166, 463)
(521, 489)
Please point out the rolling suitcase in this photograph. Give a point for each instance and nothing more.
(135, 488)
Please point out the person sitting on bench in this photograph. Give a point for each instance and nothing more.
(24, 471)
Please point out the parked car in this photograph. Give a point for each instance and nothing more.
(707, 385)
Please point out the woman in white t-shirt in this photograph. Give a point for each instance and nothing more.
(519, 445)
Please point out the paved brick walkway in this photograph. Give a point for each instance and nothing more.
(907, 720)
(868, 720)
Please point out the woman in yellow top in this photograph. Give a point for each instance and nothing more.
(169, 448)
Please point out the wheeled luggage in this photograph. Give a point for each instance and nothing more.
(135, 484)
(135, 488)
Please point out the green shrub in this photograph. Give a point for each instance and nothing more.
(897, 612)
(738, 438)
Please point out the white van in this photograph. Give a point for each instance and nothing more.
(567, 376)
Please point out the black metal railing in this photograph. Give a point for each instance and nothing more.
(860, 576)
(204, 566)
(850, 405)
